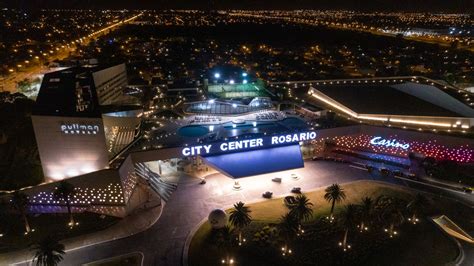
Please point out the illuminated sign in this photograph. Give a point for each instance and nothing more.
(79, 129)
(247, 144)
(389, 143)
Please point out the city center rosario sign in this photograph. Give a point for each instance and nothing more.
(389, 143)
(248, 144)
(79, 129)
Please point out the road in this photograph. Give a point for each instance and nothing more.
(9, 82)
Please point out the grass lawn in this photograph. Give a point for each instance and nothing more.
(421, 244)
(132, 259)
(50, 224)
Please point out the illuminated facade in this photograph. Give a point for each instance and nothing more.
(430, 148)
(76, 126)
(68, 153)
(411, 102)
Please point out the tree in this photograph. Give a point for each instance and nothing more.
(224, 241)
(24, 86)
(390, 211)
(65, 191)
(366, 209)
(334, 193)
(288, 229)
(48, 252)
(240, 218)
(348, 221)
(301, 209)
(4, 216)
(416, 207)
(20, 203)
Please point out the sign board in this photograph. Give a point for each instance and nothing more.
(79, 129)
(388, 143)
(238, 145)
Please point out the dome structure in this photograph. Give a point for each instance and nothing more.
(217, 218)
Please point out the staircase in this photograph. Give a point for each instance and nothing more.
(161, 187)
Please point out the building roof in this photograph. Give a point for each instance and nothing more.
(69, 92)
(262, 161)
(404, 98)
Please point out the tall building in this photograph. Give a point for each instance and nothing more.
(80, 118)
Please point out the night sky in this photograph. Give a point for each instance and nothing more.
(464, 6)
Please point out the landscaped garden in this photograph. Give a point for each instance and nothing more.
(19, 229)
(371, 224)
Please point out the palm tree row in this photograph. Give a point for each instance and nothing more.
(49, 252)
(19, 203)
(390, 211)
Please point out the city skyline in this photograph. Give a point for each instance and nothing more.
(456, 6)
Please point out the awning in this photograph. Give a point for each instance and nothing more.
(256, 162)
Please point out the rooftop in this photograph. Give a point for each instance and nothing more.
(69, 92)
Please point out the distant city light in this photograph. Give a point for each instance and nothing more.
(217, 75)
(244, 74)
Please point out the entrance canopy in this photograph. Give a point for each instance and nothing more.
(256, 162)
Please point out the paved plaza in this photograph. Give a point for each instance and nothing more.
(163, 243)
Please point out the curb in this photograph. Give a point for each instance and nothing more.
(460, 257)
(187, 243)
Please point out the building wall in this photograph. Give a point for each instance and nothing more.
(64, 155)
(438, 146)
(109, 83)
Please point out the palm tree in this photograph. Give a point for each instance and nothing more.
(416, 206)
(49, 252)
(366, 209)
(240, 218)
(334, 193)
(301, 209)
(65, 191)
(348, 220)
(4, 216)
(20, 203)
(288, 229)
(224, 241)
(391, 212)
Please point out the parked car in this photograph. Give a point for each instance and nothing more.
(296, 190)
(267, 194)
(276, 179)
(398, 173)
(384, 171)
(369, 168)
